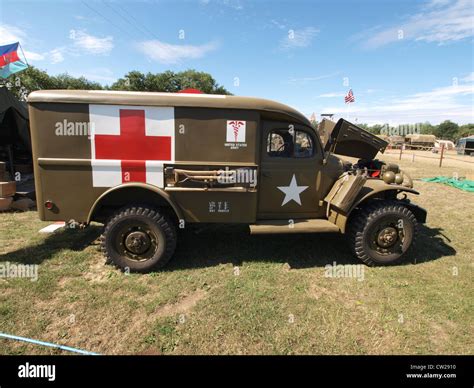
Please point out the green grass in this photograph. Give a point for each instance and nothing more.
(279, 301)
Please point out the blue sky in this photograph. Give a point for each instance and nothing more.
(406, 61)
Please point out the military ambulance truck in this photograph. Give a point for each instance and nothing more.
(148, 164)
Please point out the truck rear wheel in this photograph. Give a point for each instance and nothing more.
(138, 239)
(382, 232)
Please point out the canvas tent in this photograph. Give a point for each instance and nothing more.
(14, 129)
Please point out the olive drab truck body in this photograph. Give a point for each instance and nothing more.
(147, 164)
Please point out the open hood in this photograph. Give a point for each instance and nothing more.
(350, 140)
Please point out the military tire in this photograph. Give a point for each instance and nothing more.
(138, 239)
(382, 232)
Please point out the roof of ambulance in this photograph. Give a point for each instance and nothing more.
(166, 99)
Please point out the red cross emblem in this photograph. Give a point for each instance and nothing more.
(132, 146)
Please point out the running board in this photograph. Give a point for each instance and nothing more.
(293, 226)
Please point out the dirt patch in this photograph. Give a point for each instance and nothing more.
(183, 306)
(98, 271)
(336, 295)
(440, 334)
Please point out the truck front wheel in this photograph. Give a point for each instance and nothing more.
(382, 232)
(138, 239)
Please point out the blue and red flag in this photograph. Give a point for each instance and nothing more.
(10, 61)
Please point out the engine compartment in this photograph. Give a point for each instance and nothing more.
(390, 173)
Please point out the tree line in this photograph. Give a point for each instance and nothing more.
(32, 79)
(447, 130)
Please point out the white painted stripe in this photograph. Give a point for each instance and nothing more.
(106, 173)
(51, 228)
(154, 173)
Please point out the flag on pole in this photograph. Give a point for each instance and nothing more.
(9, 54)
(350, 97)
(10, 61)
(12, 68)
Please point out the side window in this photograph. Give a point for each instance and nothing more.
(285, 144)
(304, 147)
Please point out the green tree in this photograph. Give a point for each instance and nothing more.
(163, 82)
(199, 80)
(375, 129)
(31, 79)
(169, 81)
(65, 81)
(133, 80)
(446, 130)
(465, 131)
(426, 128)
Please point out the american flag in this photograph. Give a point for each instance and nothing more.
(350, 97)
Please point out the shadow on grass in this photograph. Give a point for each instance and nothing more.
(431, 244)
(212, 245)
(233, 244)
(65, 239)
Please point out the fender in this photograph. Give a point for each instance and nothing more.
(163, 194)
(373, 188)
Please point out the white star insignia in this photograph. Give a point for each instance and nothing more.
(292, 192)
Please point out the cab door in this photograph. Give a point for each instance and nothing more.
(290, 166)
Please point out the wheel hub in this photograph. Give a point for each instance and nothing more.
(387, 237)
(137, 242)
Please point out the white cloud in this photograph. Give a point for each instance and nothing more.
(56, 56)
(304, 80)
(82, 43)
(437, 3)
(440, 95)
(170, 54)
(440, 21)
(435, 106)
(31, 56)
(331, 95)
(12, 34)
(234, 4)
(469, 77)
(91, 44)
(278, 24)
(298, 38)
